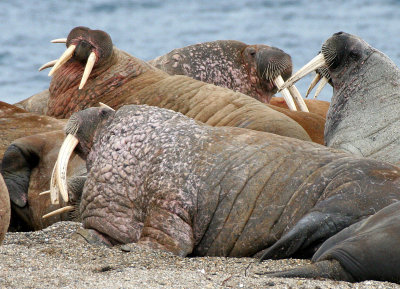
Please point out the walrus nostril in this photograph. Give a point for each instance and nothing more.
(338, 33)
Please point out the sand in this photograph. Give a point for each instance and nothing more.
(56, 258)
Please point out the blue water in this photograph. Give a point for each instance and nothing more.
(149, 28)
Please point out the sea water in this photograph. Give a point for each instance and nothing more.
(149, 28)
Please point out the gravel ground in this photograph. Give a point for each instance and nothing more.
(53, 258)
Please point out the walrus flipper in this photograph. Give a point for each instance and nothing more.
(305, 237)
(330, 269)
(17, 165)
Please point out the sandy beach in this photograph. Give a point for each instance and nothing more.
(56, 258)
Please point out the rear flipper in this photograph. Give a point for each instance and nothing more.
(330, 269)
(306, 236)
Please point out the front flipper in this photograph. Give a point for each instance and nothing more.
(168, 231)
(306, 235)
(17, 164)
(330, 269)
(92, 237)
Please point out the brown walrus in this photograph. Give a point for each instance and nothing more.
(27, 167)
(248, 69)
(116, 78)
(17, 123)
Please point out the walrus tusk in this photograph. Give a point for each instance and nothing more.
(59, 40)
(58, 211)
(54, 191)
(88, 69)
(321, 86)
(64, 155)
(106, 106)
(297, 96)
(64, 58)
(286, 94)
(314, 64)
(313, 83)
(48, 64)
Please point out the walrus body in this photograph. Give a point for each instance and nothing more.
(17, 123)
(5, 211)
(118, 78)
(27, 167)
(229, 63)
(168, 182)
(367, 250)
(248, 69)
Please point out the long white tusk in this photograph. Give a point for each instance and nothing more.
(64, 154)
(286, 94)
(59, 40)
(321, 86)
(64, 58)
(59, 211)
(48, 64)
(314, 64)
(88, 69)
(297, 96)
(106, 106)
(313, 83)
(54, 191)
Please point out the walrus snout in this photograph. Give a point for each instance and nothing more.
(272, 62)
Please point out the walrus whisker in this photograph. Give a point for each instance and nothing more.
(285, 92)
(297, 96)
(313, 83)
(48, 64)
(64, 58)
(321, 86)
(312, 65)
(58, 211)
(88, 69)
(44, 193)
(59, 40)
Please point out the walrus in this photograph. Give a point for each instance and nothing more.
(5, 211)
(362, 118)
(115, 78)
(316, 106)
(366, 250)
(166, 181)
(16, 122)
(249, 69)
(27, 167)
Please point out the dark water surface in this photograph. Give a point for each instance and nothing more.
(149, 28)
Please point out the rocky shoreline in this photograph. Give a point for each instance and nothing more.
(56, 258)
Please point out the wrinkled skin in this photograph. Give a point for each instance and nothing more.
(5, 211)
(367, 250)
(249, 69)
(231, 64)
(316, 106)
(167, 182)
(363, 117)
(118, 78)
(27, 166)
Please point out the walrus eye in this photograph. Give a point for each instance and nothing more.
(252, 51)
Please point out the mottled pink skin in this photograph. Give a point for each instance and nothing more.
(168, 182)
(229, 63)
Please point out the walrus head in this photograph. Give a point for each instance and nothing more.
(268, 63)
(272, 66)
(342, 54)
(81, 129)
